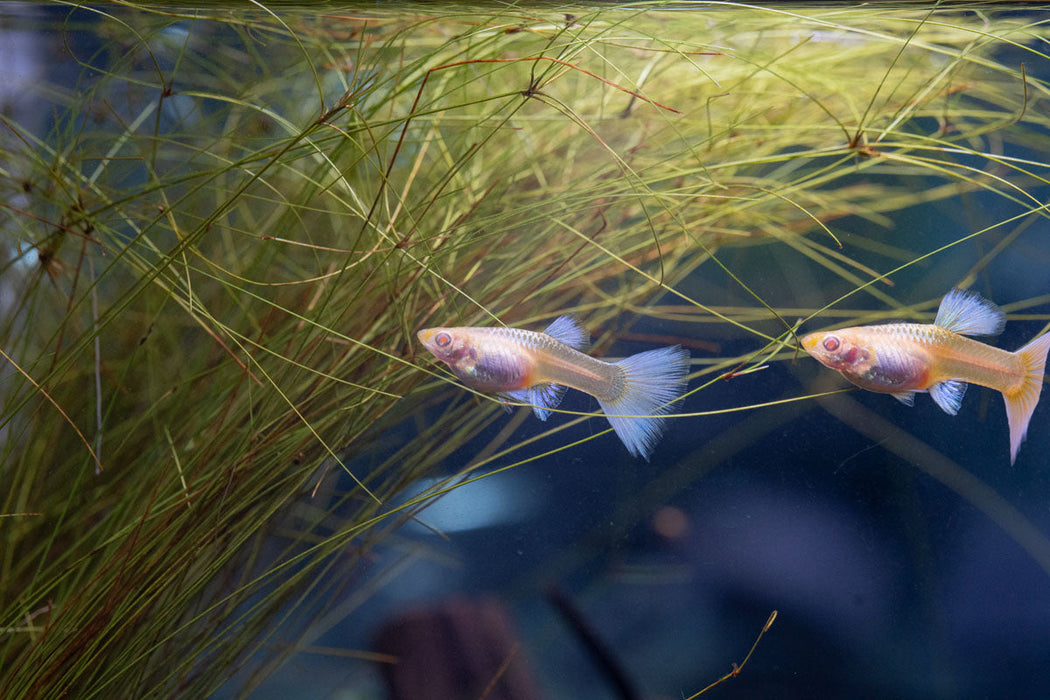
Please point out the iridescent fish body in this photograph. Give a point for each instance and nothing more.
(535, 368)
(908, 358)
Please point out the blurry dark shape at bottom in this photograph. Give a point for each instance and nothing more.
(457, 649)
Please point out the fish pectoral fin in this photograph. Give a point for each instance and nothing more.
(949, 395)
(541, 397)
(519, 396)
(567, 329)
(510, 397)
(968, 313)
(905, 397)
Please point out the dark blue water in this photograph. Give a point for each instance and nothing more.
(888, 582)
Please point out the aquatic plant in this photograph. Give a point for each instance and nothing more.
(227, 228)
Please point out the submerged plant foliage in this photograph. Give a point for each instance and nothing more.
(223, 234)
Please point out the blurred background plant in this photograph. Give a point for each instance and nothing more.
(223, 227)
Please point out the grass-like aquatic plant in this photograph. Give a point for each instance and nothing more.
(221, 236)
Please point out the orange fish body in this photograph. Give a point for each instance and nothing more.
(907, 358)
(535, 368)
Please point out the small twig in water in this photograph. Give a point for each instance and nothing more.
(737, 668)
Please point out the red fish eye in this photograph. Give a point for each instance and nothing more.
(831, 343)
(442, 340)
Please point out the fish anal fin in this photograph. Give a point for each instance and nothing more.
(567, 329)
(541, 397)
(949, 395)
(968, 313)
(905, 397)
(1021, 403)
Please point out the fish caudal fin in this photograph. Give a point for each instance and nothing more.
(1021, 403)
(651, 380)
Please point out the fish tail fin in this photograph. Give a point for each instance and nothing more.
(651, 380)
(1021, 403)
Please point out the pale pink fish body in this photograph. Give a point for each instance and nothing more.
(906, 358)
(535, 368)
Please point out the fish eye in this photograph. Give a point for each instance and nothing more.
(831, 343)
(442, 339)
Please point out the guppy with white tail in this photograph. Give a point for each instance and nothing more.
(535, 368)
(906, 358)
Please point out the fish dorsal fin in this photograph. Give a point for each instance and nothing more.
(949, 395)
(541, 397)
(968, 313)
(567, 329)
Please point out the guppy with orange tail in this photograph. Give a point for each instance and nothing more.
(906, 358)
(535, 368)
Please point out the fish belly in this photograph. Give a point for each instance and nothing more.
(895, 367)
